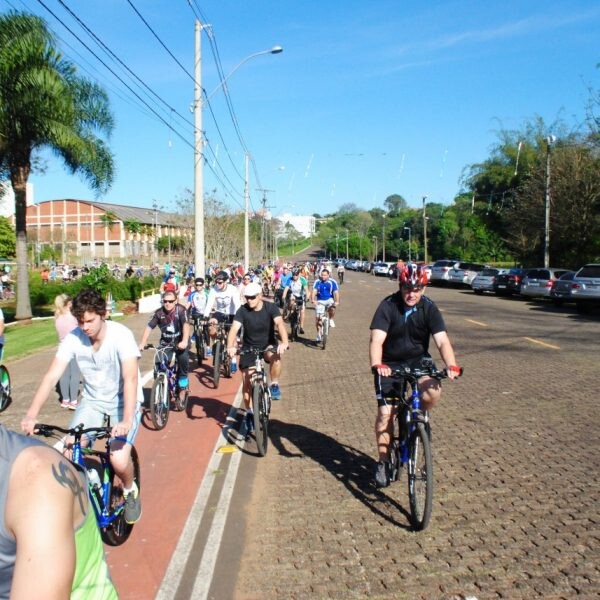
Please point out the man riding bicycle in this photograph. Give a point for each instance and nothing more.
(171, 319)
(258, 322)
(297, 288)
(107, 356)
(325, 297)
(224, 299)
(400, 331)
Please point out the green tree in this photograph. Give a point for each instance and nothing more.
(45, 104)
(395, 202)
(7, 238)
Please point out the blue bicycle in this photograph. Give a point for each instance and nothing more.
(411, 442)
(104, 487)
(166, 386)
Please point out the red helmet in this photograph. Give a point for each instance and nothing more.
(413, 275)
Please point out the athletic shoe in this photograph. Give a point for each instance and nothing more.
(380, 475)
(275, 392)
(301, 331)
(66, 404)
(133, 506)
(73, 404)
(318, 339)
(331, 324)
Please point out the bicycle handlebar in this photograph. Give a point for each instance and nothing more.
(422, 371)
(78, 431)
(255, 351)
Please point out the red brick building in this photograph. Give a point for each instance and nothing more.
(89, 230)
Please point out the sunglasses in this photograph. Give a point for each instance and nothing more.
(199, 285)
(251, 297)
(169, 301)
(219, 280)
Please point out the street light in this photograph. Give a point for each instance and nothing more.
(425, 217)
(375, 256)
(409, 242)
(383, 237)
(199, 248)
(549, 141)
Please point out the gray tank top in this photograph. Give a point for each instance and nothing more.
(11, 444)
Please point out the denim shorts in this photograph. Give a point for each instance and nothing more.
(89, 414)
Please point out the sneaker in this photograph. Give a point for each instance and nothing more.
(331, 323)
(66, 404)
(133, 506)
(275, 392)
(301, 330)
(318, 338)
(381, 476)
(207, 351)
(73, 404)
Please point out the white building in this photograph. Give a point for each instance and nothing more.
(304, 224)
(7, 198)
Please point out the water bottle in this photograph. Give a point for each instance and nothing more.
(233, 365)
(94, 479)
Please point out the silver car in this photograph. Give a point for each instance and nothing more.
(464, 273)
(484, 280)
(586, 288)
(537, 283)
(440, 271)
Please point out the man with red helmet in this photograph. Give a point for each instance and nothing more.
(400, 332)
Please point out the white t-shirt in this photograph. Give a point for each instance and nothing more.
(226, 301)
(101, 370)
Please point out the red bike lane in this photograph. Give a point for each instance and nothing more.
(173, 463)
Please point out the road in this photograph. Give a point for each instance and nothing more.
(516, 455)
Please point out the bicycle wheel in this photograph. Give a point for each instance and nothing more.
(118, 531)
(159, 402)
(420, 477)
(294, 326)
(226, 362)
(217, 363)
(261, 419)
(180, 403)
(199, 347)
(4, 388)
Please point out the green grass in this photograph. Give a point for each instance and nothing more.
(22, 340)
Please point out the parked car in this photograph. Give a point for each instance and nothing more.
(586, 288)
(382, 268)
(464, 273)
(484, 280)
(441, 270)
(538, 282)
(351, 264)
(561, 288)
(428, 271)
(507, 284)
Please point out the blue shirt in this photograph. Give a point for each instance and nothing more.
(325, 289)
(284, 280)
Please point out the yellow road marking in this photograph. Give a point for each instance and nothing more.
(542, 343)
(227, 449)
(477, 322)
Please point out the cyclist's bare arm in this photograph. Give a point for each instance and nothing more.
(442, 341)
(283, 336)
(376, 352)
(49, 381)
(129, 372)
(232, 338)
(43, 507)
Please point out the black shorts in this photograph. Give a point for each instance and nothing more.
(247, 360)
(390, 388)
(222, 318)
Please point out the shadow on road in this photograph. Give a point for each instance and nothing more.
(348, 465)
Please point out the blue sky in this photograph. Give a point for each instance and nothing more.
(367, 99)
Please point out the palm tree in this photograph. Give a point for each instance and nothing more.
(45, 104)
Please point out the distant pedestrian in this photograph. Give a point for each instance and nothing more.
(65, 322)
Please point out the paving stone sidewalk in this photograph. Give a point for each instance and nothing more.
(516, 455)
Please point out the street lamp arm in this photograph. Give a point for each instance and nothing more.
(222, 83)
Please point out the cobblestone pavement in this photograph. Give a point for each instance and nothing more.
(516, 453)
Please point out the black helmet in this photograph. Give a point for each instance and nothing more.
(199, 280)
(222, 275)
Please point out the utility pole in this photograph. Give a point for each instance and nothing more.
(198, 160)
(549, 141)
(246, 217)
(263, 220)
(425, 229)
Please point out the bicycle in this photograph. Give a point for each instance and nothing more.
(220, 356)
(266, 288)
(106, 494)
(199, 337)
(294, 319)
(322, 323)
(166, 386)
(410, 443)
(5, 387)
(261, 399)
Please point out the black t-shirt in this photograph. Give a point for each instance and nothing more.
(170, 324)
(259, 325)
(408, 329)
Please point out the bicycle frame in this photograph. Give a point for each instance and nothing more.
(170, 368)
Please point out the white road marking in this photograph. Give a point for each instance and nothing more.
(477, 322)
(534, 341)
(172, 578)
